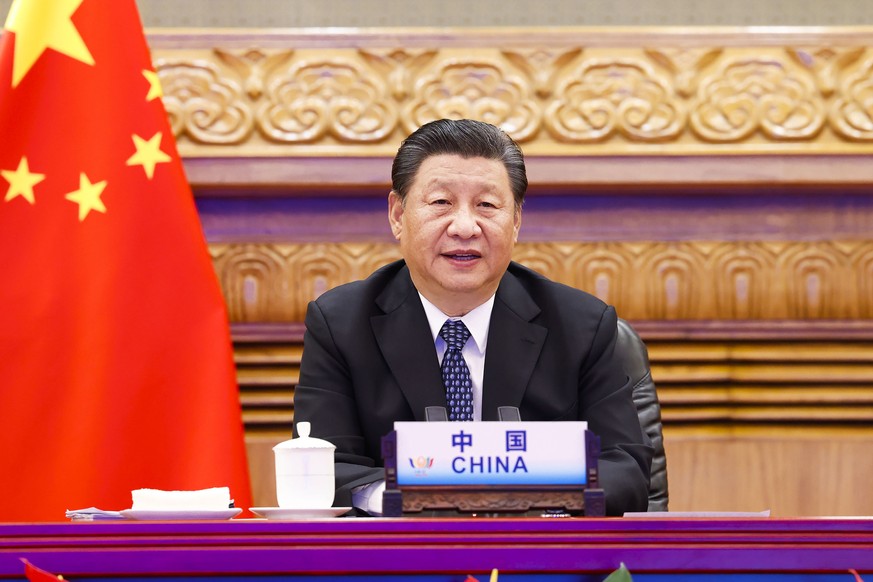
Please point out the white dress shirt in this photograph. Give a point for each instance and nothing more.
(369, 497)
(477, 322)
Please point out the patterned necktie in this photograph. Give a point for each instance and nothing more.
(456, 375)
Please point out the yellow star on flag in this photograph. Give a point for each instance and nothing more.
(88, 196)
(148, 154)
(155, 91)
(21, 181)
(45, 24)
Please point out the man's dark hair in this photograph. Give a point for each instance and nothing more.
(466, 138)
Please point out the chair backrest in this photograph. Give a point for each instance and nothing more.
(635, 357)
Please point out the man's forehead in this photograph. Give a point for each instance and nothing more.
(454, 181)
(454, 171)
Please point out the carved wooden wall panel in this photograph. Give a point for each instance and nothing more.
(644, 280)
(560, 93)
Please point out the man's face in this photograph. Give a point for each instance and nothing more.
(456, 230)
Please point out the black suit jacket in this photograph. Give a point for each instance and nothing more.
(369, 360)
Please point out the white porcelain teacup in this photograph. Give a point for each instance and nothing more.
(304, 471)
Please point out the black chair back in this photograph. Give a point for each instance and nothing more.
(636, 362)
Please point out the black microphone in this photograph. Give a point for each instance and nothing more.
(508, 414)
(436, 414)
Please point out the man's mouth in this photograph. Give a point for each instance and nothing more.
(462, 256)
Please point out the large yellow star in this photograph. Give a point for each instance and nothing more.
(88, 196)
(42, 25)
(148, 154)
(155, 91)
(21, 181)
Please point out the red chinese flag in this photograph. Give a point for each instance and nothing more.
(116, 369)
(34, 574)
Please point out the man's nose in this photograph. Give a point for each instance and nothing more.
(464, 223)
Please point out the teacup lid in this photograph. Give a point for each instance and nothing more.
(304, 441)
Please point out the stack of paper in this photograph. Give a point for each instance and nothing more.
(156, 499)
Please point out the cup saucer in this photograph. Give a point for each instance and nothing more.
(295, 514)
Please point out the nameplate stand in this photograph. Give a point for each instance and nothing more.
(503, 500)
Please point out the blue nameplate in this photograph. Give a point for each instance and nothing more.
(491, 453)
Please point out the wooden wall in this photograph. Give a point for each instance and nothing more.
(713, 184)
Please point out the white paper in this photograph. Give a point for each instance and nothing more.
(215, 498)
(92, 514)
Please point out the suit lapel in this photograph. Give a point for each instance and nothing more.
(403, 335)
(514, 346)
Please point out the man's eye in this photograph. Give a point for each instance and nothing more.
(487, 205)
(440, 201)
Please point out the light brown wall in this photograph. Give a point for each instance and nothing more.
(497, 13)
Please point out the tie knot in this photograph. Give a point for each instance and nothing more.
(455, 333)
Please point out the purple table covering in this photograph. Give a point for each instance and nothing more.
(360, 547)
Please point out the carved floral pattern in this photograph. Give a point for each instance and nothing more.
(742, 281)
(542, 66)
(254, 66)
(757, 95)
(852, 113)
(202, 104)
(649, 95)
(398, 66)
(475, 90)
(251, 276)
(617, 96)
(675, 286)
(811, 284)
(685, 64)
(826, 63)
(320, 98)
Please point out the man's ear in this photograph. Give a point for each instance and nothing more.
(517, 223)
(395, 214)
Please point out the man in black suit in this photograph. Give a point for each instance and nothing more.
(373, 349)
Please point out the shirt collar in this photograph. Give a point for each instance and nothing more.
(477, 320)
